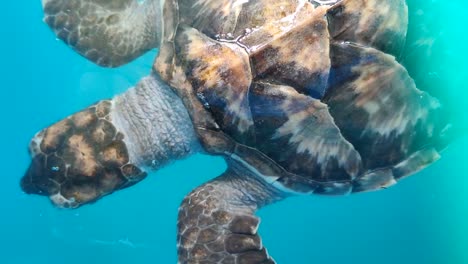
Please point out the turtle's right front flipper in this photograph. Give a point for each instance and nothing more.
(108, 32)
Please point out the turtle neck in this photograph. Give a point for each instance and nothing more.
(156, 126)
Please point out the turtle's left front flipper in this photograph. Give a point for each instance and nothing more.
(217, 222)
(108, 32)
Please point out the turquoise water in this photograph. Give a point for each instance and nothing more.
(423, 219)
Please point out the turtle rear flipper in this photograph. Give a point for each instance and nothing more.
(216, 221)
(108, 32)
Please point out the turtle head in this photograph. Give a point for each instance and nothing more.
(110, 145)
(80, 159)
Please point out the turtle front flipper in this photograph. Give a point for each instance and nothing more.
(217, 223)
(108, 32)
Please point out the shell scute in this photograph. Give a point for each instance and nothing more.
(296, 52)
(302, 128)
(257, 14)
(374, 23)
(220, 75)
(211, 17)
(377, 106)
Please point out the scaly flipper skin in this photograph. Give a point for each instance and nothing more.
(109, 33)
(217, 223)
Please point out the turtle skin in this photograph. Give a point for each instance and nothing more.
(311, 95)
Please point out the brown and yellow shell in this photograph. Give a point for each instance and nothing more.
(311, 96)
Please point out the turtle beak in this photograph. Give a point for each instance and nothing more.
(41, 180)
(33, 183)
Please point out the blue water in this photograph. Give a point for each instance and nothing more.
(424, 219)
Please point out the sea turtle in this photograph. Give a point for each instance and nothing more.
(298, 96)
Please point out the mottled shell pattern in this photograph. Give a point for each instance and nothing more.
(309, 96)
